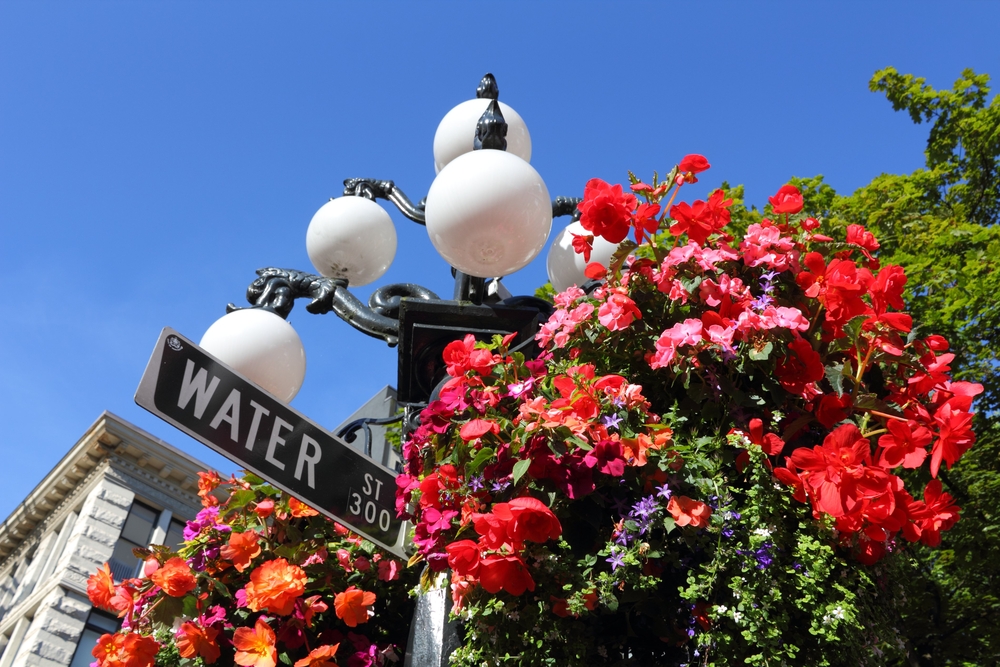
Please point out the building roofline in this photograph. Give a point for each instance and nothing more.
(106, 436)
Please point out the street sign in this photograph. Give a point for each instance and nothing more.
(194, 391)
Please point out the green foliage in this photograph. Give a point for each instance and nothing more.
(939, 223)
(964, 142)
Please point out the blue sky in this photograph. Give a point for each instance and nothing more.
(153, 155)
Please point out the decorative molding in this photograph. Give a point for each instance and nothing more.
(150, 486)
(61, 511)
(106, 448)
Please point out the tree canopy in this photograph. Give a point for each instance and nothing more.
(940, 224)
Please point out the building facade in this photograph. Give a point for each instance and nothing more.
(117, 488)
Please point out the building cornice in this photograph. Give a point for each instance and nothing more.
(110, 441)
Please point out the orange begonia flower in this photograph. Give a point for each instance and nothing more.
(101, 587)
(255, 648)
(129, 650)
(352, 606)
(275, 586)
(208, 482)
(242, 548)
(321, 656)
(300, 509)
(175, 578)
(635, 449)
(193, 640)
(688, 512)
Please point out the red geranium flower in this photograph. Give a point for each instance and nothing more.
(689, 166)
(936, 513)
(838, 473)
(533, 521)
(583, 245)
(799, 370)
(606, 210)
(463, 557)
(787, 199)
(507, 573)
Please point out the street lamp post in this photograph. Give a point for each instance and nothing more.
(487, 213)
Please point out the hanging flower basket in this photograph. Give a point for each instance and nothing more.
(713, 461)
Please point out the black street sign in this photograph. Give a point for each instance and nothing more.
(206, 399)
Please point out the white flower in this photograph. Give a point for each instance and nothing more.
(737, 616)
(762, 532)
(836, 613)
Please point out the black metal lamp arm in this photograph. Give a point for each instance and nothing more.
(276, 290)
(375, 189)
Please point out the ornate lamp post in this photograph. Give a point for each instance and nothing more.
(488, 213)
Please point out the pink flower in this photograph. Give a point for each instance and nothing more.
(712, 293)
(790, 318)
(707, 258)
(388, 570)
(618, 312)
(677, 291)
(721, 336)
(687, 332)
(765, 246)
(568, 297)
(344, 558)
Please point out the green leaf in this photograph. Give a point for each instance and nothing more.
(669, 524)
(190, 606)
(763, 353)
(520, 468)
(168, 609)
(482, 456)
(835, 375)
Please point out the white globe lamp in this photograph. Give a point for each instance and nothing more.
(351, 238)
(262, 347)
(488, 213)
(565, 266)
(457, 130)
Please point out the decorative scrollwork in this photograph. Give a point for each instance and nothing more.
(373, 189)
(385, 300)
(276, 290)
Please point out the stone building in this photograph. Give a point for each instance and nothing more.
(117, 488)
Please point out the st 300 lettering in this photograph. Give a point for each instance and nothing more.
(369, 511)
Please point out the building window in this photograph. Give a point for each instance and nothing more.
(98, 623)
(136, 532)
(175, 534)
